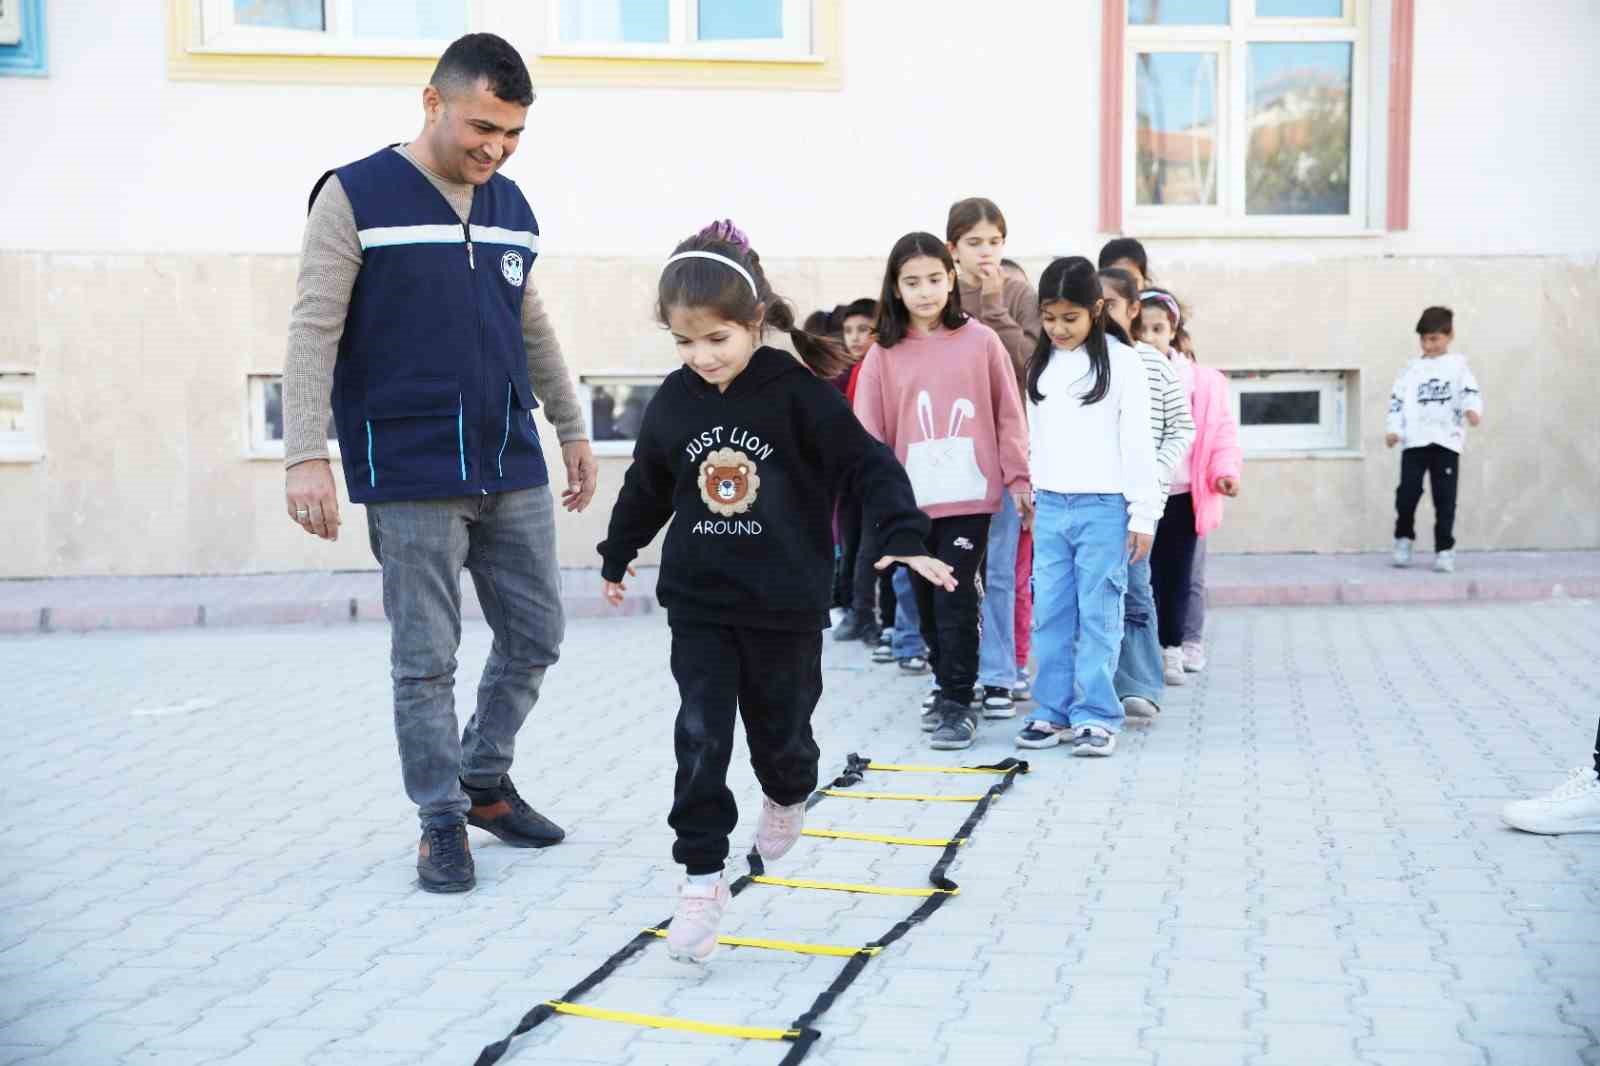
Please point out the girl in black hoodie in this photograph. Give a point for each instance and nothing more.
(747, 448)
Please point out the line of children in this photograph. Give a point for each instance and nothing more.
(744, 449)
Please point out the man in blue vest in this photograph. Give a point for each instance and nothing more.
(417, 327)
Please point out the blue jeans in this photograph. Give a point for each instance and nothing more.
(507, 541)
(997, 653)
(1080, 575)
(1139, 670)
(907, 622)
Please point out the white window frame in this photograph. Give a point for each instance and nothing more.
(1231, 43)
(586, 383)
(1332, 433)
(11, 22)
(257, 444)
(27, 446)
(683, 17)
(221, 33)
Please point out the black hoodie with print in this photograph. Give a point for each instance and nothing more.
(748, 478)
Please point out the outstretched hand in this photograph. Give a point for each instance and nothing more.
(935, 571)
(615, 590)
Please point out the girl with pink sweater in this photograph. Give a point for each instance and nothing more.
(1199, 484)
(939, 388)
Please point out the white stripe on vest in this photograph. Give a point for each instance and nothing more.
(388, 236)
(518, 238)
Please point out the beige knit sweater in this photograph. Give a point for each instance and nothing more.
(330, 258)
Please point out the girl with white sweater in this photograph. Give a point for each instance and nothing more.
(1098, 498)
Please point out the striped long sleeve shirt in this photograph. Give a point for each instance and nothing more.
(1170, 421)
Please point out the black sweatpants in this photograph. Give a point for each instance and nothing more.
(872, 590)
(770, 678)
(848, 516)
(1443, 468)
(1171, 566)
(952, 621)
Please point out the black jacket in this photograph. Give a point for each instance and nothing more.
(749, 477)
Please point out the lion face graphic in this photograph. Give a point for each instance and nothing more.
(728, 482)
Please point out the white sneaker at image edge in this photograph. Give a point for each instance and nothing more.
(1571, 807)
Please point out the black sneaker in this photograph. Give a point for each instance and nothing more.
(931, 700)
(850, 627)
(883, 653)
(914, 664)
(871, 633)
(444, 864)
(885, 638)
(500, 811)
(958, 725)
(931, 717)
(997, 702)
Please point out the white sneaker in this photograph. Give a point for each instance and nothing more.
(1444, 562)
(692, 936)
(1093, 740)
(1402, 552)
(1139, 707)
(1194, 656)
(1172, 666)
(1573, 807)
(778, 828)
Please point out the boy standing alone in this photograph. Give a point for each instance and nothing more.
(1434, 399)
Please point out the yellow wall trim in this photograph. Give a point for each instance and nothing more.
(187, 62)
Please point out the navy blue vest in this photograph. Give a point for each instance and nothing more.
(431, 395)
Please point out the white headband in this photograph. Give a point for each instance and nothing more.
(743, 273)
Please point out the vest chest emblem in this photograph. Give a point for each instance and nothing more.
(511, 268)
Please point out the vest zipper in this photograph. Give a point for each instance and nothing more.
(467, 233)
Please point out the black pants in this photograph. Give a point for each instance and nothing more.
(1443, 468)
(872, 590)
(771, 678)
(844, 574)
(952, 621)
(1171, 566)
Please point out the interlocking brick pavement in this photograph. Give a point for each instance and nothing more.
(209, 860)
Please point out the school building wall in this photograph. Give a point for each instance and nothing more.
(148, 256)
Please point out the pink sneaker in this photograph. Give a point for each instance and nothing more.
(778, 828)
(692, 937)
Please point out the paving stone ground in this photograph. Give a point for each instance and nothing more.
(208, 859)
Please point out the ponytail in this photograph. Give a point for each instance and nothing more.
(822, 355)
(737, 290)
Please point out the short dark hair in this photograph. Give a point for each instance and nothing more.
(484, 57)
(1125, 248)
(1436, 320)
(866, 307)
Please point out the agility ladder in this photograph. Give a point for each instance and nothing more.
(800, 1034)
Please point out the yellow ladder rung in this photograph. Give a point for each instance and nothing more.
(880, 838)
(657, 1021)
(836, 886)
(915, 769)
(845, 793)
(787, 945)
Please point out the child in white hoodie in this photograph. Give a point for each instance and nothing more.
(1433, 401)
